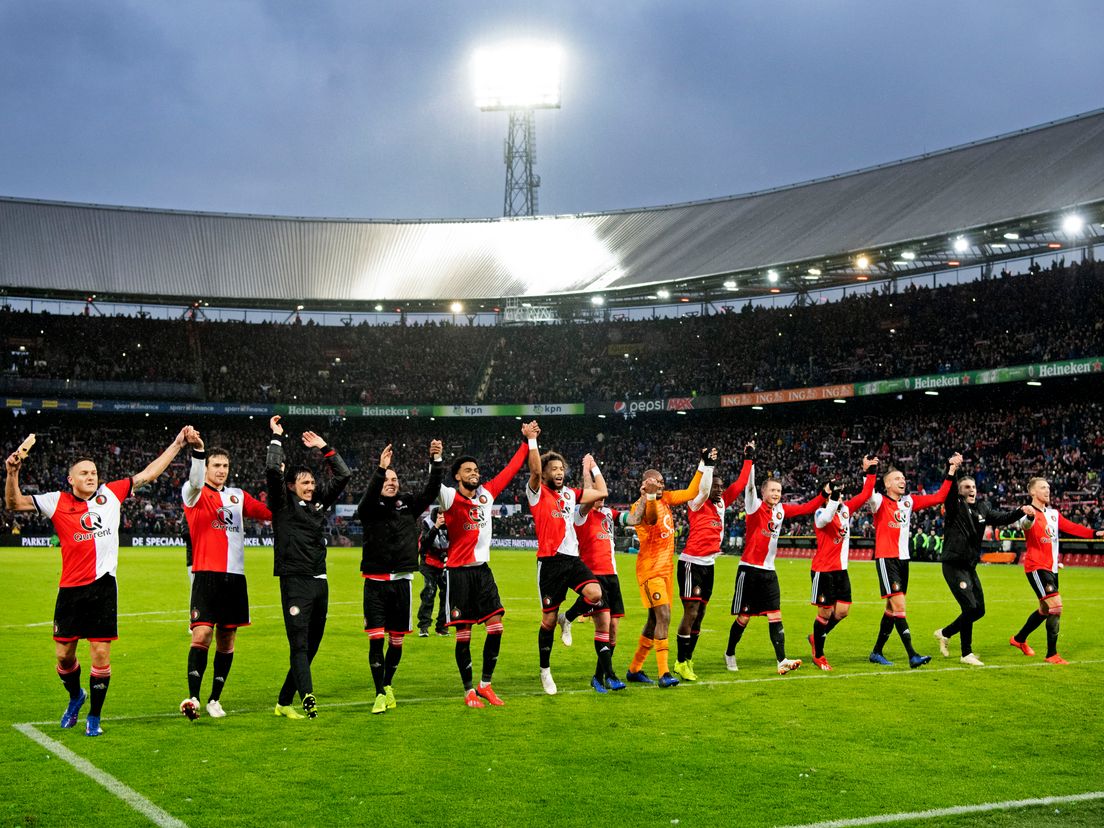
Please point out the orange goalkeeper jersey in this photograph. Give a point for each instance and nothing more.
(657, 541)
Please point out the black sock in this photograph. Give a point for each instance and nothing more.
(578, 608)
(604, 667)
(884, 631)
(777, 635)
(952, 629)
(1053, 622)
(682, 647)
(820, 630)
(101, 678)
(1032, 624)
(902, 626)
(463, 658)
(71, 680)
(223, 663)
(375, 662)
(197, 664)
(734, 635)
(692, 645)
(833, 622)
(490, 655)
(391, 663)
(544, 645)
(967, 636)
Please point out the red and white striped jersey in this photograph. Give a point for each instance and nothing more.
(833, 530)
(216, 522)
(554, 517)
(764, 525)
(706, 517)
(595, 533)
(468, 520)
(1041, 536)
(88, 530)
(892, 519)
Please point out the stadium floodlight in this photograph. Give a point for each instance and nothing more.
(961, 245)
(862, 263)
(730, 284)
(518, 78)
(1073, 224)
(597, 301)
(908, 255)
(456, 307)
(379, 308)
(663, 294)
(814, 271)
(1012, 236)
(518, 75)
(772, 276)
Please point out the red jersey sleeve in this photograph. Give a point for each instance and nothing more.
(867, 490)
(121, 488)
(924, 501)
(1075, 529)
(253, 508)
(503, 478)
(807, 508)
(736, 489)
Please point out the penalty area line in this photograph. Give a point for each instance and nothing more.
(957, 810)
(130, 796)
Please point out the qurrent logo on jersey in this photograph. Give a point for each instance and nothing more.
(1050, 534)
(475, 519)
(900, 518)
(774, 527)
(224, 520)
(92, 524)
(561, 510)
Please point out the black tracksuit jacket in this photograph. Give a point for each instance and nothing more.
(299, 526)
(391, 524)
(964, 528)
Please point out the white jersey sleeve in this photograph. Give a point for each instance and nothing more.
(825, 514)
(46, 503)
(751, 499)
(446, 496)
(703, 487)
(193, 486)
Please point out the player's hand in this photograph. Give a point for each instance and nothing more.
(13, 462)
(436, 449)
(869, 462)
(312, 440)
(274, 424)
(709, 456)
(385, 457)
(588, 462)
(1028, 510)
(651, 486)
(194, 440)
(955, 461)
(749, 450)
(182, 437)
(440, 520)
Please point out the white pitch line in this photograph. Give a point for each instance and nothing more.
(130, 796)
(935, 813)
(787, 679)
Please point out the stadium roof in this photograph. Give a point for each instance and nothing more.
(1021, 184)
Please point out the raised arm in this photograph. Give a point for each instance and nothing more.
(254, 509)
(635, 515)
(1075, 529)
(328, 491)
(14, 499)
(751, 496)
(708, 458)
(530, 431)
(193, 486)
(436, 472)
(925, 501)
(680, 496)
(596, 488)
(870, 463)
(158, 466)
(583, 509)
(790, 510)
(501, 480)
(824, 515)
(274, 466)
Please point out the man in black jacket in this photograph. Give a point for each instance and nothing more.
(963, 529)
(390, 557)
(300, 506)
(433, 551)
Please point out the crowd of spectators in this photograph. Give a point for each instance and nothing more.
(1062, 440)
(1044, 315)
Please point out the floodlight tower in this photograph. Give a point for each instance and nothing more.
(518, 78)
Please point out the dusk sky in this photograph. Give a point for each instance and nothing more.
(347, 108)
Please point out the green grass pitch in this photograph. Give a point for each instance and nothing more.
(748, 748)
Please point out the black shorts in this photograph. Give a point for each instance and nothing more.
(388, 606)
(965, 586)
(305, 601)
(90, 611)
(471, 595)
(559, 573)
(219, 598)
(892, 576)
(1044, 582)
(757, 591)
(695, 581)
(831, 588)
(611, 597)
